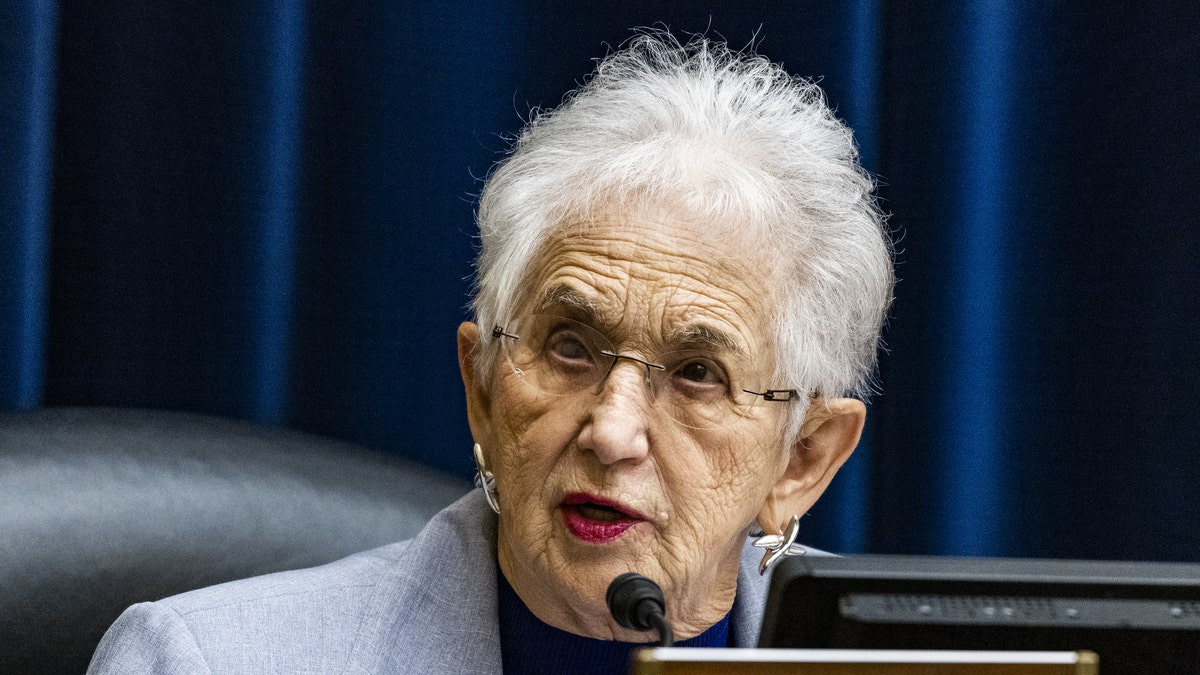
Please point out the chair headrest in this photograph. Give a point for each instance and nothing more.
(102, 507)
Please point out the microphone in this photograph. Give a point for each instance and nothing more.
(637, 604)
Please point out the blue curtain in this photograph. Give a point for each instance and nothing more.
(264, 210)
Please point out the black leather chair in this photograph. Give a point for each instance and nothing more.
(102, 508)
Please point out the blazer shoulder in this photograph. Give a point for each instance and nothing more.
(148, 638)
(390, 609)
(346, 577)
(301, 620)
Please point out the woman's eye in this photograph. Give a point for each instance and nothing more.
(699, 371)
(569, 348)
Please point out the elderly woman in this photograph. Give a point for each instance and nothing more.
(682, 273)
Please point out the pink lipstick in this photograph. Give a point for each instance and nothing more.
(596, 519)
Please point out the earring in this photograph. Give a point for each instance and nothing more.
(485, 480)
(779, 546)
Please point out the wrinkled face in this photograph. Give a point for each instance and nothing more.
(604, 481)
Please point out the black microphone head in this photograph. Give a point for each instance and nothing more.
(626, 597)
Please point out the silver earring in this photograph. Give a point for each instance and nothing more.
(485, 480)
(779, 545)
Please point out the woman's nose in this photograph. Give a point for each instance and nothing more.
(616, 428)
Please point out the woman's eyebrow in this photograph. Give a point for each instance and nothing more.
(564, 297)
(705, 338)
(698, 336)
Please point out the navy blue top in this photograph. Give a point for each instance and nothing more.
(527, 645)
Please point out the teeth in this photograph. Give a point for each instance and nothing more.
(601, 513)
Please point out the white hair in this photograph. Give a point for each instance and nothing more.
(735, 141)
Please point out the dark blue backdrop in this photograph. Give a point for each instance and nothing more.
(264, 210)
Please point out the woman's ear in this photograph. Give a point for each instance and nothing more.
(829, 434)
(478, 403)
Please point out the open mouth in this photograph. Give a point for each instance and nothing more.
(594, 519)
(604, 514)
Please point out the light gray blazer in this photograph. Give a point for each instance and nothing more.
(424, 605)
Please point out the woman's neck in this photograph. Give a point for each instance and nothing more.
(579, 607)
(529, 645)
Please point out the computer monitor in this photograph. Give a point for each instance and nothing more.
(1139, 617)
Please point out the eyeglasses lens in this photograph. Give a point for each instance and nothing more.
(560, 356)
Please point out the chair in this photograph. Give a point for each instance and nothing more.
(101, 508)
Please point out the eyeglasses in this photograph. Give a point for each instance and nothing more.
(697, 388)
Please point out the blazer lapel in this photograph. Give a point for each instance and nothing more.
(436, 611)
